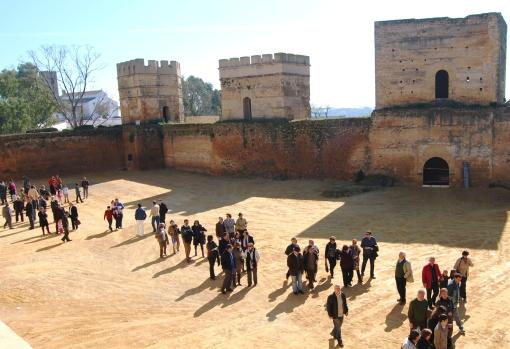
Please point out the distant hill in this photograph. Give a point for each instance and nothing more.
(341, 112)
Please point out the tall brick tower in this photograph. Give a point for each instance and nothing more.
(150, 92)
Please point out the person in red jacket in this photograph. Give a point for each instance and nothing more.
(108, 215)
(431, 276)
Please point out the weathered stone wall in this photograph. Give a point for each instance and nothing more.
(402, 140)
(66, 152)
(145, 91)
(302, 149)
(278, 87)
(409, 53)
(143, 147)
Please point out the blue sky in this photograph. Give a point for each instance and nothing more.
(337, 35)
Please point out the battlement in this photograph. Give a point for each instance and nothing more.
(266, 64)
(137, 66)
(482, 17)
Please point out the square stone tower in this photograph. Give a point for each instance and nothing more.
(266, 86)
(150, 92)
(436, 59)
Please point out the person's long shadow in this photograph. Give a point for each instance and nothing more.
(207, 283)
(287, 305)
(278, 292)
(357, 290)
(223, 300)
(455, 337)
(11, 234)
(462, 312)
(27, 239)
(99, 235)
(45, 237)
(181, 264)
(148, 264)
(133, 240)
(323, 285)
(48, 247)
(395, 318)
(200, 262)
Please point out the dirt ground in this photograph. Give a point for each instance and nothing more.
(111, 290)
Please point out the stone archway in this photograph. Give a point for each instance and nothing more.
(436, 172)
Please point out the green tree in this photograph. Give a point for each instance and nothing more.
(200, 98)
(25, 102)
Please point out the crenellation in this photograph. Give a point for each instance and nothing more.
(138, 66)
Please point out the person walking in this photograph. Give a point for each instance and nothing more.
(239, 258)
(451, 309)
(431, 276)
(403, 275)
(3, 192)
(108, 215)
(462, 267)
(213, 255)
(228, 265)
(331, 255)
(18, 207)
(252, 262)
(290, 249)
(310, 258)
(454, 288)
(187, 238)
(7, 214)
(337, 308)
(119, 213)
(418, 311)
(174, 232)
(163, 209)
(155, 218)
(229, 224)
(12, 188)
(370, 252)
(220, 229)
(241, 224)
(162, 238)
(29, 212)
(346, 265)
(441, 333)
(356, 251)
(73, 214)
(78, 194)
(65, 191)
(198, 236)
(140, 217)
(43, 220)
(63, 215)
(85, 185)
(296, 268)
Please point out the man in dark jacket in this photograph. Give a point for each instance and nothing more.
(228, 264)
(187, 238)
(296, 268)
(73, 214)
(337, 308)
(3, 192)
(417, 312)
(163, 209)
(18, 208)
(220, 229)
(29, 212)
(370, 249)
(289, 250)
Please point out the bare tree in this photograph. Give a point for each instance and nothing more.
(326, 110)
(74, 67)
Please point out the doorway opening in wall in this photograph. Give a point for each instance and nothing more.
(442, 84)
(166, 114)
(436, 173)
(247, 108)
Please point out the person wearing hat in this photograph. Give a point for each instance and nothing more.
(370, 249)
(296, 268)
(462, 267)
(331, 255)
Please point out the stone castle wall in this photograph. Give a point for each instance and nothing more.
(278, 86)
(409, 53)
(145, 91)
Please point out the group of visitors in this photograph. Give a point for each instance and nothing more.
(115, 211)
(32, 202)
(431, 318)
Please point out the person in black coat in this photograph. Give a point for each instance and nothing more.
(246, 239)
(337, 313)
(198, 236)
(228, 264)
(18, 208)
(163, 209)
(290, 249)
(29, 208)
(213, 255)
(331, 255)
(54, 209)
(296, 268)
(187, 238)
(310, 259)
(224, 242)
(347, 265)
(43, 220)
(73, 214)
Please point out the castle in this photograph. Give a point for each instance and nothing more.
(440, 116)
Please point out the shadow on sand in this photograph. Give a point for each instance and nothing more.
(48, 247)
(395, 318)
(223, 300)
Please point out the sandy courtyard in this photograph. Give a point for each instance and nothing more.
(111, 290)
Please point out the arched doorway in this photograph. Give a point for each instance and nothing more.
(436, 172)
(166, 114)
(247, 108)
(442, 84)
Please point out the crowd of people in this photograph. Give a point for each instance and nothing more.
(32, 203)
(431, 314)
